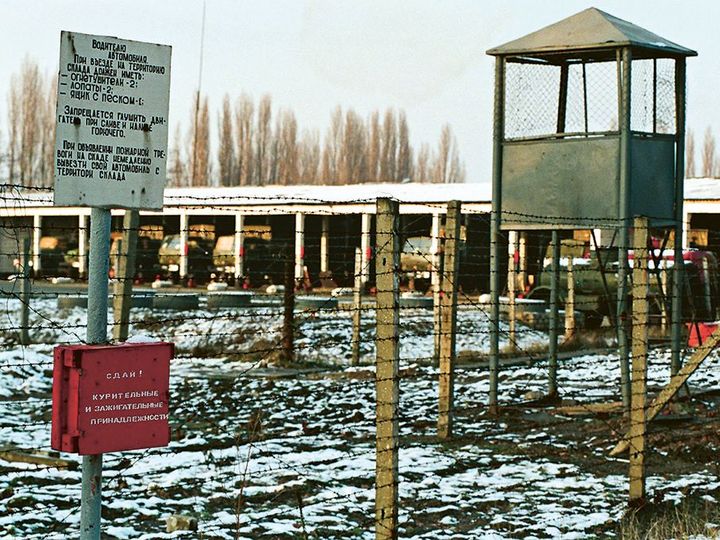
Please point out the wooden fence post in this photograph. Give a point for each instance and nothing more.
(124, 274)
(448, 316)
(640, 307)
(357, 308)
(387, 265)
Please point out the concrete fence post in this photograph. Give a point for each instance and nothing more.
(124, 274)
(387, 265)
(638, 395)
(448, 315)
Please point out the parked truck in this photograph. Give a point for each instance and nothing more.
(199, 255)
(596, 281)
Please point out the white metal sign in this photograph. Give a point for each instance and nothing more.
(112, 122)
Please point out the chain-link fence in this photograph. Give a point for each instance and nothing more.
(534, 97)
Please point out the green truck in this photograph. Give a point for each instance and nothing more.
(596, 282)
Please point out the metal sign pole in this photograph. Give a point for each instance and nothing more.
(111, 152)
(97, 314)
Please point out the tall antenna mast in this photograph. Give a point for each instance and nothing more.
(197, 98)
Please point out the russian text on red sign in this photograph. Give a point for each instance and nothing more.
(108, 398)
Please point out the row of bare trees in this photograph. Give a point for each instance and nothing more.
(256, 145)
(259, 146)
(709, 162)
(31, 127)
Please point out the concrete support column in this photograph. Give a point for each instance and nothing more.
(365, 246)
(36, 235)
(435, 252)
(325, 245)
(299, 245)
(435, 277)
(513, 253)
(82, 244)
(183, 245)
(523, 261)
(512, 286)
(238, 247)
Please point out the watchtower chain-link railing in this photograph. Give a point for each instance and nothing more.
(532, 98)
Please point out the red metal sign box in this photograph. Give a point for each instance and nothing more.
(108, 398)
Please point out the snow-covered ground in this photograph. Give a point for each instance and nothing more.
(255, 455)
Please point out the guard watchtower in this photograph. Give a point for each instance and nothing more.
(589, 130)
(589, 121)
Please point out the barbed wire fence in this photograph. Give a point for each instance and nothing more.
(269, 446)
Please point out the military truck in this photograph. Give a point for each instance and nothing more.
(263, 260)
(596, 282)
(199, 253)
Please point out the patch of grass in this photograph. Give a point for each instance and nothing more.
(695, 517)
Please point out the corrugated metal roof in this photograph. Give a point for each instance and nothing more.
(588, 30)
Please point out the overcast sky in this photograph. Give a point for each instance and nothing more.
(427, 57)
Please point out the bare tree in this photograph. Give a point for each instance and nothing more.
(177, 173)
(352, 159)
(388, 152)
(31, 126)
(199, 142)
(244, 111)
(273, 154)
(287, 155)
(332, 148)
(422, 165)
(458, 168)
(448, 168)
(708, 154)
(47, 134)
(226, 145)
(442, 161)
(253, 151)
(690, 154)
(32, 97)
(373, 147)
(14, 115)
(263, 141)
(309, 156)
(3, 158)
(204, 163)
(404, 156)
